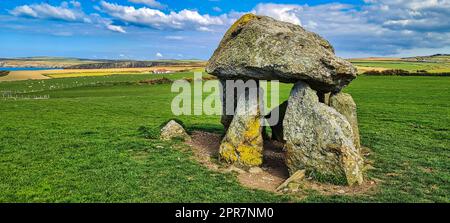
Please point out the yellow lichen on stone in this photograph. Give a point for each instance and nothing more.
(241, 22)
(253, 130)
(243, 146)
(249, 155)
(228, 153)
(246, 151)
(250, 152)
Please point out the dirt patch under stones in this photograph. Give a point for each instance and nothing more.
(272, 173)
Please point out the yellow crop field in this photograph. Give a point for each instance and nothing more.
(104, 72)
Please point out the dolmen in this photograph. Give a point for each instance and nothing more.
(318, 123)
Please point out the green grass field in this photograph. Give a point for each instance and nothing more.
(84, 143)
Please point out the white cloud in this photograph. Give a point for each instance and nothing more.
(420, 15)
(283, 12)
(217, 9)
(380, 27)
(174, 37)
(63, 33)
(204, 29)
(115, 28)
(75, 4)
(159, 55)
(151, 3)
(46, 11)
(64, 12)
(183, 20)
(105, 23)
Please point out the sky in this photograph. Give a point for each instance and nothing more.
(192, 29)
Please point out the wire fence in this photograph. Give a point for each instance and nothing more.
(22, 95)
(30, 94)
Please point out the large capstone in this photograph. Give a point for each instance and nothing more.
(344, 104)
(319, 139)
(243, 142)
(259, 47)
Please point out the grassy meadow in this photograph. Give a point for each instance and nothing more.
(96, 140)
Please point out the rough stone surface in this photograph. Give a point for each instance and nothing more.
(277, 128)
(243, 142)
(173, 130)
(297, 177)
(235, 169)
(255, 170)
(344, 104)
(319, 139)
(226, 119)
(327, 98)
(259, 47)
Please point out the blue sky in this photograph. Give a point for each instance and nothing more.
(187, 29)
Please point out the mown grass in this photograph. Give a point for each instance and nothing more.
(87, 144)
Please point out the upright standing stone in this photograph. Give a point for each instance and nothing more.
(243, 142)
(319, 139)
(344, 104)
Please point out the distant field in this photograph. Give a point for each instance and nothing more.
(74, 67)
(83, 144)
(23, 75)
(404, 65)
(103, 72)
(67, 73)
(431, 64)
(76, 63)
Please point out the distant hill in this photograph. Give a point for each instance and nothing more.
(45, 58)
(136, 64)
(47, 62)
(77, 63)
(437, 58)
(375, 59)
